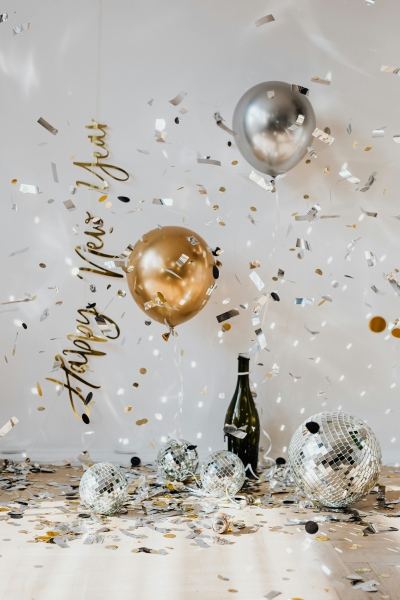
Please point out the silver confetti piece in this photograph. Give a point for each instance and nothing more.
(255, 319)
(28, 189)
(391, 277)
(264, 20)
(114, 264)
(377, 133)
(303, 244)
(102, 324)
(366, 186)
(271, 94)
(300, 89)
(272, 594)
(3, 18)
(235, 431)
(208, 161)
(54, 171)
(349, 129)
(178, 99)
(172, 273)
(219, 121)
(394, 70)
(69, 205)
(299, 121)
(181, 260)
(211, 289)
(268, 187)
(324, 137)
(20, 28)
(371, 258)
(260, 302)
(258, 282)
(19, 251)
(163, 201)
(347, 175)
(310, 331)
(350, 249)
(227, 315)
(330, 386)
(193, 240)
(261, 338)
(8, 426)
(251, 219)
(368, 213)
(47, 126)
(311, 216)
(304, 301)
(44, 314)
(255, 264)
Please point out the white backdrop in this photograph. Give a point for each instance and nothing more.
(105, 60)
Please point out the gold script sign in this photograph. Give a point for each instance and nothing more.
(76, 365)
(110, 170)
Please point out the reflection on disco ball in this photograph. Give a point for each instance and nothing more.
(222, 474)
(177, 460)
(339, 463)
(103, 488)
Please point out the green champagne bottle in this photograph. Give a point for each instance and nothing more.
(242, 414)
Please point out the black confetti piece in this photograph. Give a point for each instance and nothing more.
(85, 419)
(311, 527)
(135, 461)
(124, 199)
(312, 427)
(215, 272)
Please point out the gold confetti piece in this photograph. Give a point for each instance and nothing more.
(215, 207)
(52, 533)
(135, 385)
(234, 162)
(39, 389)
(377, 324)
(318, 271)
(227, 327)
(322, 538)
(253, 208)
(128, 409)
(316, 79)
(222, 190)
(367, 148)
(112, 547)
(395, 333)
(223, 578)
(354, 547)
(233, 591)
(362, 571)
(42, 265)
(143, 371)
(383, 575)
(222, 224)
(306, 197)
(40, 408)
(326, 170)
(292, 249)
(204, 391)
(355, 145)
(308, 161)
(14, 181)
(142, 422)
(169, 535)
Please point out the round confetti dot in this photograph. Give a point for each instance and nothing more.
(318, 271)
(128, 409)
(215, 272)
(335, 284)
(222, 224)
(253, 208)
(229, 144)
(308, 161)
(14, 181)
(158, 416)
(143, 371)
(312, 427)
(377, 324)
(135, 461)
(85, 419)
(42, 265)
(226, 327)
(280, 461)
(108, 204)
(24, 325)
(327, 130)
(40, 408)
(176, 120)
(102, 198)
(396, 332)
(311, 527)
(275, 297)
(135, 385)
(124, 199)
(222, 190)
(140, 422)
(121, 293)
(215, 207)
(234, 162)
(367, 148)
(306, 196)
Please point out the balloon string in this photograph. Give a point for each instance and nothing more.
(178, 415)
(277, 202)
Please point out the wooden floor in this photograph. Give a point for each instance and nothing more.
(256, 562)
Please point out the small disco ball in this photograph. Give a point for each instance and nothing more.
(335, 459)
(222, 474)
(177, 460)
(103, 488)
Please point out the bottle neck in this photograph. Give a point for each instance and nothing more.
(243, 367)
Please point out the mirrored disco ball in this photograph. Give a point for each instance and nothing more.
(222, 474)
(103, 488)
(335, 458)
(177, 461)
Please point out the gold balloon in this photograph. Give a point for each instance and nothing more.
(174, 293)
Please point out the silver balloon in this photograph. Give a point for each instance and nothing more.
(339, 463)
(273, 124)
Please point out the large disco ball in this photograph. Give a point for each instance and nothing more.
(103, 488)
(335, 458)
(273, 122)
(177, 460)
(222, 474)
